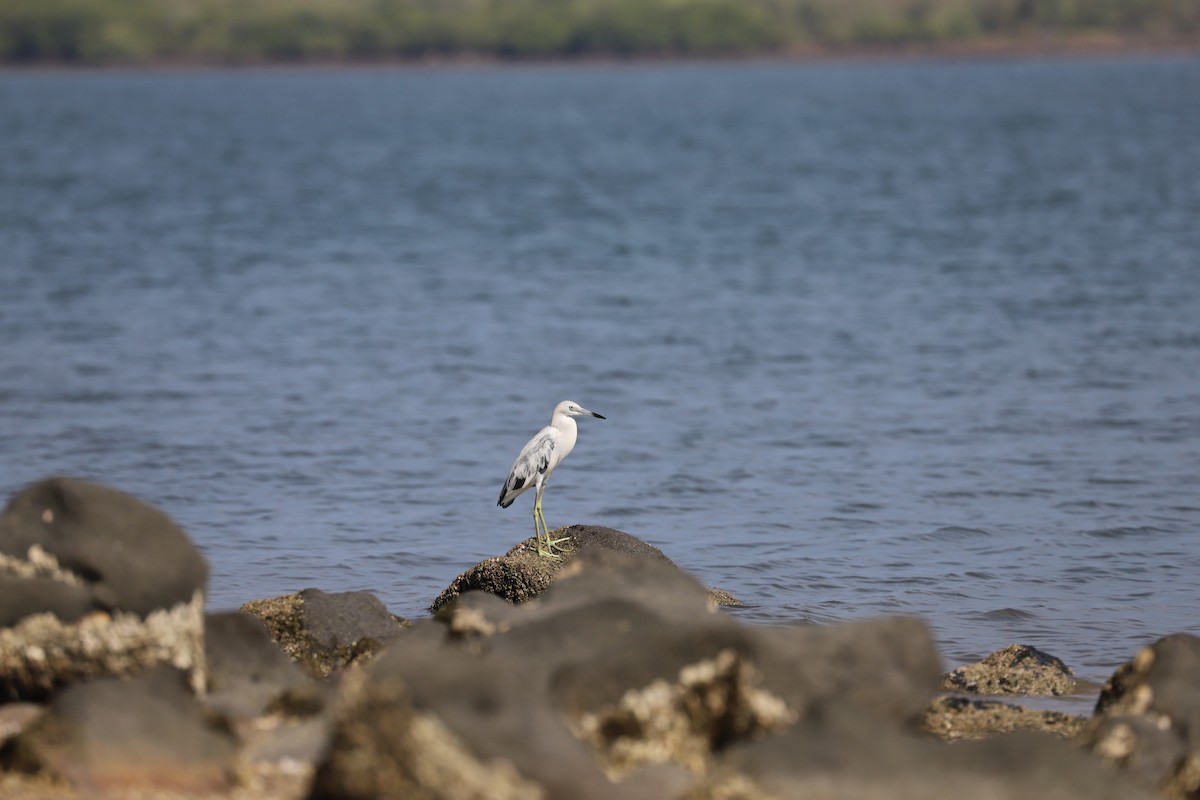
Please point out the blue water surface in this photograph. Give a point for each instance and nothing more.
(871, 339)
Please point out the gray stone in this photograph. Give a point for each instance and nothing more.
(111, 735)
(1147, 718)
(247, 672)
(127, 554)
(621, 681)
(94, 582)
(839, 752)
(24, 597)
(324, 632)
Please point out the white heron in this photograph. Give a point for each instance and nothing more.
(537, 460)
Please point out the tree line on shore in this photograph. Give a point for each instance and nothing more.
(240, 31)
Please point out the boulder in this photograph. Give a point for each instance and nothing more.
(839, 752)
(621, 681)
(94, 582)
(280, 714)
(247, 672)
(324, 632)
(521, 574)
(1147, 718)
(953, 718)
(111, 735)
(1016, 669)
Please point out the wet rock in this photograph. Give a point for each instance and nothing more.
(1017, 669)
(247, 672)
(111, 735)
(955, 718)
(94, 582)
(521, 574)
(1147, 719)
(324, 632)
(619, 682)
(837, 752)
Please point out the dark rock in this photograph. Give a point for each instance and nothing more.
(888, 667)
(24, 597)
(620, 682)
(586, 538)
(521, 574)
(1147, 718)
(955, 718)
(324, 632)
(247, 672)
(1017, 669)
(516, 577)
(94, 582)
(277, 710)
(838, 752)
(1141, 746)
(478, 613)
(110, 735)
(1162, 678)
(126, 553)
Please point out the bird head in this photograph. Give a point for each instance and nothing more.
(572, 409)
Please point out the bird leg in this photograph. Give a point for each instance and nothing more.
(550, 544)
(544, 551)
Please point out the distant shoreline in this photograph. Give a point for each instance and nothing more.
(1071, 48)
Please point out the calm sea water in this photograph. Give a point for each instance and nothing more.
(871, 339)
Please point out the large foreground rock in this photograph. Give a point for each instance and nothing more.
(1147, 718)
(111, 735)
(247, 672)
(844, 754)
(521, 574)
(620, 681)
(94, 582)
(280, 713)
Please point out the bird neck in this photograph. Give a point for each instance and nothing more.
(566, 442)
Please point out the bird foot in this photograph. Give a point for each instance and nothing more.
(553, 543)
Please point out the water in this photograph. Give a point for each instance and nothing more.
(871, 339)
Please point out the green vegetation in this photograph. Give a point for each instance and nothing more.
(132, 31)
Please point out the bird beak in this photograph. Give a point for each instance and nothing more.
(597, 416)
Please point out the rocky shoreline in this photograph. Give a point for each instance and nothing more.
(610, 673)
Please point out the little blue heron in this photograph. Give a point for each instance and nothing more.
(537, 460)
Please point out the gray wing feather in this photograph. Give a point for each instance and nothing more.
(533, 460)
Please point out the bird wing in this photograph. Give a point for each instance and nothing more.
(533, 460)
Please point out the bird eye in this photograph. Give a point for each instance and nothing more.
(573, 408)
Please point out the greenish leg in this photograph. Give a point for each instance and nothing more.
(537, 530)
(551, 543)
(547, 550)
